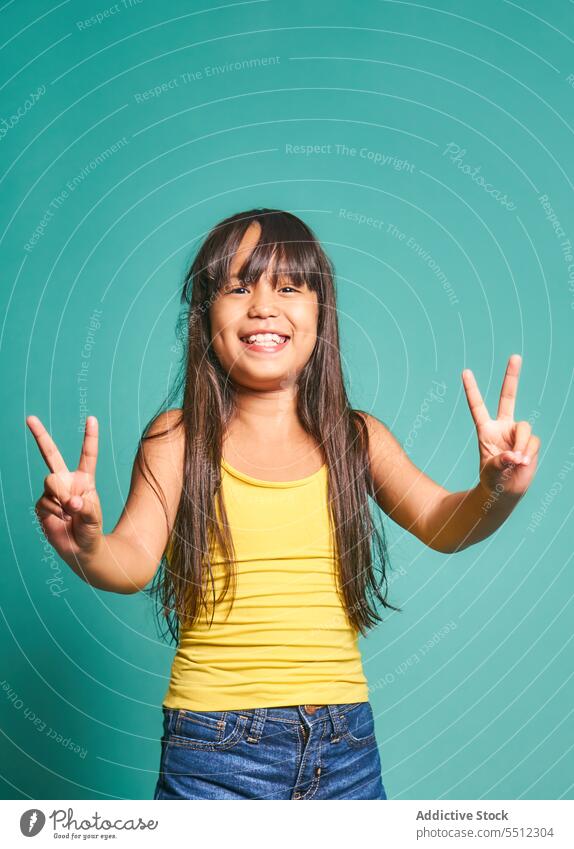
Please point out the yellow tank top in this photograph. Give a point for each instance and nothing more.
(286, 639)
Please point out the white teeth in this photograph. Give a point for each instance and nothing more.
(265, 338)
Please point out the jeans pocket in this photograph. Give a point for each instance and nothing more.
(210, 730)
(359, 725)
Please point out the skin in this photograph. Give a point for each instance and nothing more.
(266, 440)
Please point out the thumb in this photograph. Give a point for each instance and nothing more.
(86, 519)
(85, 507)
(497, 468)
(497, 464)
(505, 459)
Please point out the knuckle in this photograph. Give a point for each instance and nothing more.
(51, 483)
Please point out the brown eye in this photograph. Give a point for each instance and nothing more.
(233, 287)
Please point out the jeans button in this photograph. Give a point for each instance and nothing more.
(311, 708)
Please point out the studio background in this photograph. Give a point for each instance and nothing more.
(125, 136)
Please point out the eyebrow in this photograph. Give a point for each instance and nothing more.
(279, 281)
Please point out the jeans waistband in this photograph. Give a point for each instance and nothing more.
(296, 714)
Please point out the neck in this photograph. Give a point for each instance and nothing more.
(271, 414)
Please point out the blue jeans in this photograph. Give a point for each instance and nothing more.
(295, 752)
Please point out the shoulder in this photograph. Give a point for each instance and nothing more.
(163, 444)
(372, 422)
(168, 419)
(169, 423)
(380, 437)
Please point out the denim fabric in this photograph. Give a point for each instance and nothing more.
(270, 753)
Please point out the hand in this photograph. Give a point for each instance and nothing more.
(508, 449)
(69, 509)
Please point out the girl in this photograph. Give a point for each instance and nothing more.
(254, 499)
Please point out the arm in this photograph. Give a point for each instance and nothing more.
(460, 519)
(451, 521)
(71, 516)
(127, 558)
(406, 494)
(445, 521)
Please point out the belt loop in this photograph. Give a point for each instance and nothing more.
(170, 717)
(338, 727)
(257, 725)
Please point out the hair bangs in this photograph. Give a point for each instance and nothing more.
(285, 250)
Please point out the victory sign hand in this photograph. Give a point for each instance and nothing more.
(508, 449)
(69, 508)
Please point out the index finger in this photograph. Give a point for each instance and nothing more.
(477, 406)
(47, 446)
(509, 387)
(89, 455)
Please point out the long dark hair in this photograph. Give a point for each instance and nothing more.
(288, 246)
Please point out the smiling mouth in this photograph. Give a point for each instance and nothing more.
(266, 343)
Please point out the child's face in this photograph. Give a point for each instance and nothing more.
(241, 310)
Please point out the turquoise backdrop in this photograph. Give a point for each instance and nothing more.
(430, 146)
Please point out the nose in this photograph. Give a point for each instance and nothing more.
(262, 307)
(263, 302)
(262, 310)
